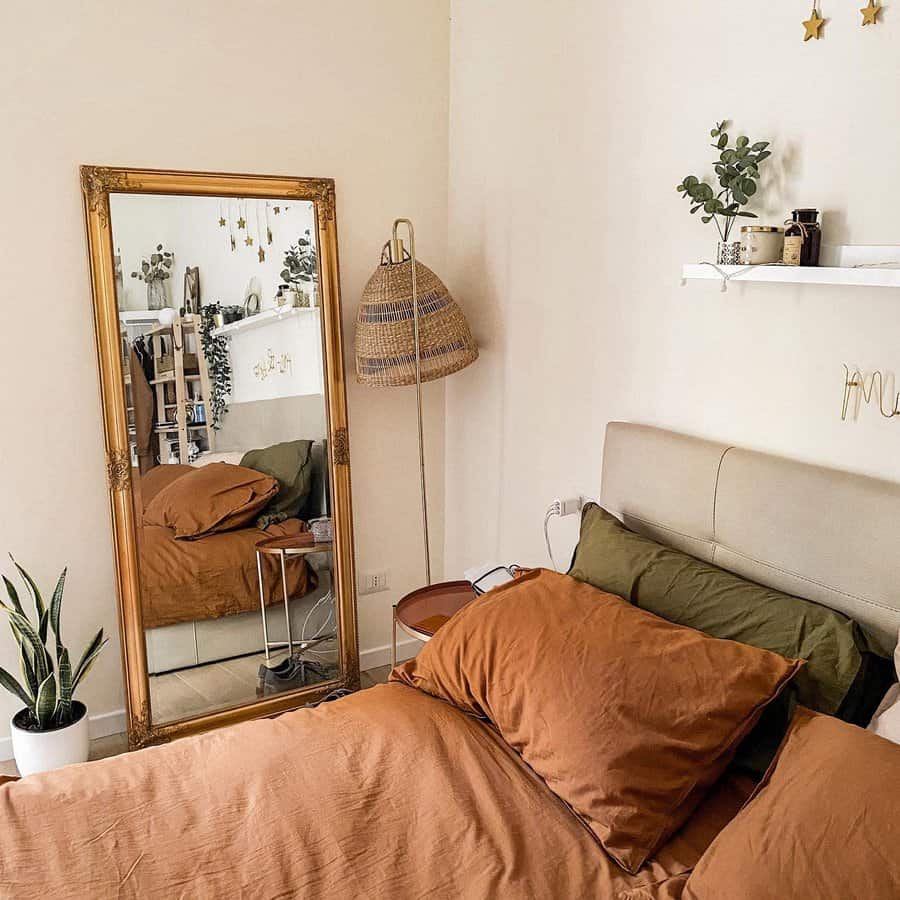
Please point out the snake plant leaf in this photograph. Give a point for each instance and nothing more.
(13, 596)
(43, 626)
(27, 666)
(33, 588)
(45, 702)
(12, 685)
(43, 664)
(88, 657)
(66, 689)
(56, 609)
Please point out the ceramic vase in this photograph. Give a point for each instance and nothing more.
(729, 253)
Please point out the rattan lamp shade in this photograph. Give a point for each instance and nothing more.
(385, 343)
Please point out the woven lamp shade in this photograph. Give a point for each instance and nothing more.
(385, 342)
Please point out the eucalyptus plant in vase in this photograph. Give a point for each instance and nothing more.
(51, 730)
(737, 169)
(155, 271)
(301, 267)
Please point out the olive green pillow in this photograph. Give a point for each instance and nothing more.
(290, 464)
(842, 677)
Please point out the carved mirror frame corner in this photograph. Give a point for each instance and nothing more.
(97, 182)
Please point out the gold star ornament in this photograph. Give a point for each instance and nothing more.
(870, 13)
(221, 222)
(242, 222)
(813, 24)
(262, 255)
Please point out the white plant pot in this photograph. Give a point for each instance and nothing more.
(41, 751)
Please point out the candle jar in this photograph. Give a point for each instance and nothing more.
(802, 238)
(761, 245)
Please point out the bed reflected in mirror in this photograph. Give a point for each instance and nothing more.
(220, 315)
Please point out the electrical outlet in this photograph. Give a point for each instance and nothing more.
(570, 506)
(374, 582)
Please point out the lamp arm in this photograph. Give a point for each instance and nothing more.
(395, 244)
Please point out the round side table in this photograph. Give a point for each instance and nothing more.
(421, 613)
(287, 548)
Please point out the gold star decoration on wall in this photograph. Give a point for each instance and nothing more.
(221, 222)
(242, 222)
(262, 255)
(813, 25)
(248, 241)
(870, 13)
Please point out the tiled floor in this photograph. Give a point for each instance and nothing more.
(117, 743)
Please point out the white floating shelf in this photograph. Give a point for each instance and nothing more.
(264, 318)
(849, 266)
(798, 275)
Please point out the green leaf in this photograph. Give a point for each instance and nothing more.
(27, 667)
(33, 588)
(748, 186)
(13, 596)
(722, 142)
(764, 155)
(743, 141)
(748, 215)
(43, 625)
(12, 685)
(738, 195)
(691, 180)
(43, 665)
(759, 145)
(45, 702)
(706, 219)
(56, 609)
(88, 657)
(65, 688)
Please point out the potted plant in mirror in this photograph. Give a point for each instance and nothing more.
(155, 272)
(301, 269)
(737, 169)
(51, 730)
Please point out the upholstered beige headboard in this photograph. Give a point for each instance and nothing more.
(818, 533)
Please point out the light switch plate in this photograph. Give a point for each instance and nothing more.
(374, 582)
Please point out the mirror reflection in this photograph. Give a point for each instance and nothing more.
(221, 328)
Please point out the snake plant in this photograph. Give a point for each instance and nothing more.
(48, 684)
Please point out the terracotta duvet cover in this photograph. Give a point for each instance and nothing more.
(213, 576)
(388, 793)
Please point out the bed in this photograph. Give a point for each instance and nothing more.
(407, 791)
(188, 586)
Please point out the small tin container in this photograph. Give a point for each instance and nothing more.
(761, 245)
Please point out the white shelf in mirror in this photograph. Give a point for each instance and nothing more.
(848, 265)
(265, 317)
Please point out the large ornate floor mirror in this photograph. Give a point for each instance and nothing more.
(218, 322)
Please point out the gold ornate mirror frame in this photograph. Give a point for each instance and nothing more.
(97, 183)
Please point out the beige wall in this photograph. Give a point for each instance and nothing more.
(571, 124)
(284, 86)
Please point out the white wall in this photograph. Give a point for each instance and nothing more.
(287, 86)
(571, 124)
(189, 228)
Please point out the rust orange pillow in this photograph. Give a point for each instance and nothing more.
(628, 718)
(217, 497)
(160, 477)
(823, 823)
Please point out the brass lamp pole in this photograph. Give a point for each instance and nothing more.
(410, 331)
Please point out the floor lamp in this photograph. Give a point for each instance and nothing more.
(409, 330)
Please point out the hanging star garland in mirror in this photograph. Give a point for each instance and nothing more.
(870, 13)
(813, 25)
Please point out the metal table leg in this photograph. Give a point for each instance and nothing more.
(262, 603)
(287, 606)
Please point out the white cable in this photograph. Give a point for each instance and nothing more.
(552, 511)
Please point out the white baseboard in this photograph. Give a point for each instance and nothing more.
(105, 724)
(376, 657)
(101, 725)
